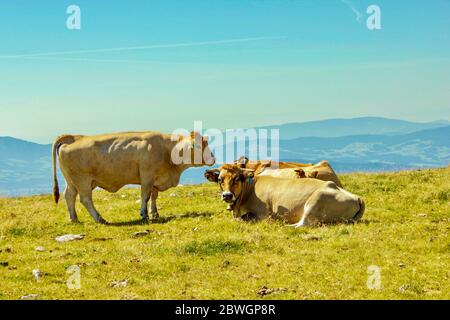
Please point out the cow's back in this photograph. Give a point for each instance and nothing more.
(325, 172)
(280, 173)
(288, 199)
(111, 160)
(282, 197)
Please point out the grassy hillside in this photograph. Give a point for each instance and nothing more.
(197, 251)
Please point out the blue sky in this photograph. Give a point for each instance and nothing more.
(312, 60)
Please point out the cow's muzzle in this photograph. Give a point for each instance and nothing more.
(228, 197)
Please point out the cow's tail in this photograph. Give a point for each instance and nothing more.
(362, 208)
(65, 139)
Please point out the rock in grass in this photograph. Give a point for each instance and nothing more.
(141, 234)
(69, 237)
(37, 274)
(312, 238)
(226, 263)
(39, 249)
(264, 291)
(119, 284)
(29, 297)
(404, 288)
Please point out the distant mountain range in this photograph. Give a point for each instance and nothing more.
(359, 144)
(25, 167)
(421, 149)
(356, 126)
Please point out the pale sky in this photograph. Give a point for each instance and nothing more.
(235, 63)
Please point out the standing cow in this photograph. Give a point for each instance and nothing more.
(150, 159)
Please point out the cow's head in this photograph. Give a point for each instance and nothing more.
(231, 179)
(195, 150)
(306, 174)
(241, 162)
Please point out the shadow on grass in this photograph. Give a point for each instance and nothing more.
(160, 220)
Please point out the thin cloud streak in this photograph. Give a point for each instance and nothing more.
(95, 60)
(354, 10)
(147, 47)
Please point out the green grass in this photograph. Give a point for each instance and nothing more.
(198, 251)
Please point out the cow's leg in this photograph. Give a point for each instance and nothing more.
(314, 211)
(86, 200)
(71, 195)
(146, 191)
(154, 208)
(311, 213)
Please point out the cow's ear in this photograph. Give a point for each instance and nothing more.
(314, 174)
(212, 175)
(242, 161)
(300, 173)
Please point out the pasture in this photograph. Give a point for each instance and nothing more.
(198, 251)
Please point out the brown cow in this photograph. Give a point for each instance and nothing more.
(111, 161)
(322, 170)
(301, 202)
(260, 165)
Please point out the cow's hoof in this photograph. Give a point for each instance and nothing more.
(155, 216)
(102, 221)
(145, 220)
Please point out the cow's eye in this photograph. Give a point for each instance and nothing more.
(219, 180)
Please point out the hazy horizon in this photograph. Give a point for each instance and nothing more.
(50, 141)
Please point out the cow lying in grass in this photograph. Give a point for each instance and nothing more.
(259, 166)
(301, 202)
(322, 170)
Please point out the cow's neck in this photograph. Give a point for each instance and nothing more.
(247, 190)
(180, 168)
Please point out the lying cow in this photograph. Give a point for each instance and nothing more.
(322, 171)
(115, 160)
(261, 165)
(265, 168)
(301, 202)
